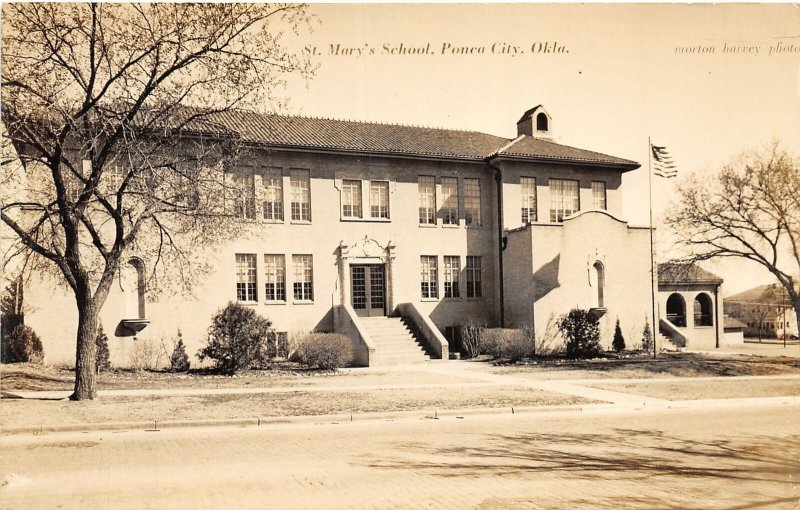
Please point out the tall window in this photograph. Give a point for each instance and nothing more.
(472, 201)
(528, 188)
(473, 271)
(427, 200)
(379, 199)
(541, 122)
(303, 277)
(300, 181)
(246, 277)
(564, 199)
(452, 269)
(429, 283)
(351, 199)
(275, 277)
(598, 195)
(273, 189)
(246, 188)
(600, 282)
(449, 210)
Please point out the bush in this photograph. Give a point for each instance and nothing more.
(23, 345)
(237, 338)
(326, 351)
(144, 355)
(647, 337)
(619, 341)
(471, 338)
(179, 361)
(583, 333)
(512, 344)
(103, 358)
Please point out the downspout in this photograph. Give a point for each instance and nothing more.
(498, 179)
(716, 312)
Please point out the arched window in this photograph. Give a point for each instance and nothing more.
(541, 122)
(134, 287)
(703, 310)
(600, 279)
(676, 310)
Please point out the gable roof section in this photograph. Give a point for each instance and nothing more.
(309, 133)
(763, 294)
(676, 274)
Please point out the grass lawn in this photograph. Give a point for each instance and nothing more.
(31, 413)
(696, 389)
(665, 366)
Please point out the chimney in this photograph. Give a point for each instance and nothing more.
(535, 122)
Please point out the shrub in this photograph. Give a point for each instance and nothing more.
(550, 340)
(326, 351)
(471, 338)
(23, 345)
(237, 338)
(647, 337)
(179, 361)
(619, 341)
(144, 355)
(583, 333)
(103, 358)
(512, 344)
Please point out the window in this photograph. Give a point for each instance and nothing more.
(351, 199)
(563, 199)
(472, 201)
(676, 310)
(449, 210)
(427, 200)
(246, 277)
(429, 283)
(541, 122)
(300, 181)
(452, 269)
(379, 199)
(702, 310)
(600, 282)
(275, 277)
(598, 195)
(273, 189)
(246, 189)
(528, 190)
(473, 271)
(303, 278)
(114, 177)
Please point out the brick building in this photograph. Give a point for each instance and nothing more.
(353, 222)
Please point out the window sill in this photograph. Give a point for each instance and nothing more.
(450, 225)
(429, 300)
(247, 303)
(302, 302)
(365, 220)
(275, 222)
(300, 222)
(274, 302)
(428, 225)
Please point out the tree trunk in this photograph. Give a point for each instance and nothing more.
(86, 355)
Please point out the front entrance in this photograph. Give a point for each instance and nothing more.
(368, 284)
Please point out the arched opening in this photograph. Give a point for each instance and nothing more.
(676, 310)
(541, 122)
(134, 286)
(600, 283)
(703, 310)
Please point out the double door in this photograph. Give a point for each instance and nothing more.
(368, 289)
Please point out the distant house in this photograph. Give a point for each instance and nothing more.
(765, 310)
(690, 306)
(357, 226)
(734, 330)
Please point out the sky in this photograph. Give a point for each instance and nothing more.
(705, 81)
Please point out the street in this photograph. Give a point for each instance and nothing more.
(691, 458)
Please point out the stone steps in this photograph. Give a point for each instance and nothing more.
(394, 342)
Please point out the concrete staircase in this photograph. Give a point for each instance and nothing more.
(394, 342)
(665, 343)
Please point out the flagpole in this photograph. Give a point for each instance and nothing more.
(652, 262)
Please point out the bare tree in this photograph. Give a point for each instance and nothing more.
(111, 110)
(749, 210)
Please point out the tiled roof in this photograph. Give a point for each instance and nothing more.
(685, 273)
(310, 133)
(763, 294)
(731, 323)
(542, 149)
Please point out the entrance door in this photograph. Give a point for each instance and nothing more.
(368, 294)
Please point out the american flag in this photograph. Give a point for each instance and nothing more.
(663, 165)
